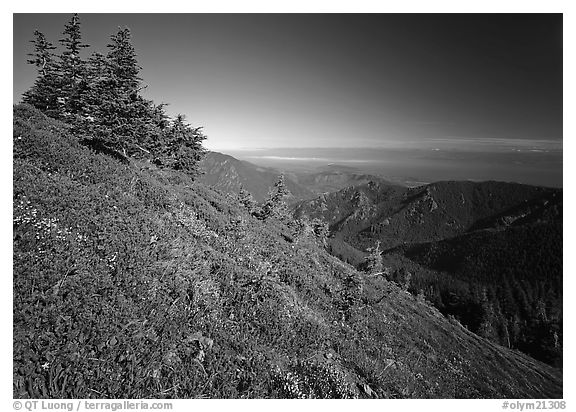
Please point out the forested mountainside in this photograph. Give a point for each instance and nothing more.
(394, 214)
(488, 253)
(134, 281)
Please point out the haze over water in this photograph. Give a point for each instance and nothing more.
(541, 167)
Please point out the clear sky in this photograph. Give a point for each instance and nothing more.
(363, 80)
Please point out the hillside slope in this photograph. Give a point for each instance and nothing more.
(134, 282)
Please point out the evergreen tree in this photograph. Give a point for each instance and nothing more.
(181, 147)
(320, 228)
(486, 328)
(246, 200)
(374, 260)
(275, 205)
(44, 94)
(541, 311)
(100, 98)
(303, 228)
(132, 119)
(123, 62)
(72, 69)
(115, 115)
(407, 280)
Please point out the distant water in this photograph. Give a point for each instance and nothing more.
(535, 167)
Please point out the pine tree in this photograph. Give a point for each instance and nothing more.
(72, 69)
(132, 118)
(100, 98)
(114, 114)
(123, 62)
(98, 102)
(374, 260)
(486, 328)
(407, 280)
(303, 228)
(275, 205)
(181, 147)
(320, 228)
(541, 311)
(43, 95)
(246, 200)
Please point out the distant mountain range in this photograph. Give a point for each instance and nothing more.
(228, 174)
(334, 177)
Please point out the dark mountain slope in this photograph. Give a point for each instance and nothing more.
(135, 282)
(228, 174)
(395, 215)
(514, 274)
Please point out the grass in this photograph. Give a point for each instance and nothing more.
(134, 282)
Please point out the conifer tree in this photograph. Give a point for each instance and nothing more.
(374, 260)
(115, 115)
(44, 94)
(246, 200)
(100, 98)
(181, 146)
(123, 62)
(128, 114)
(320, 228)
(486, 327)
(275, 205)
(303, 228)
(72, 69)
(407, 280)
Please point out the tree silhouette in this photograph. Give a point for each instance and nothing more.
(44, 93)
(100, 98)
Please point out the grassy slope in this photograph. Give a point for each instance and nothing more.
(138, 283)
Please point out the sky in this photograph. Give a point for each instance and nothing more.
(434, 81)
